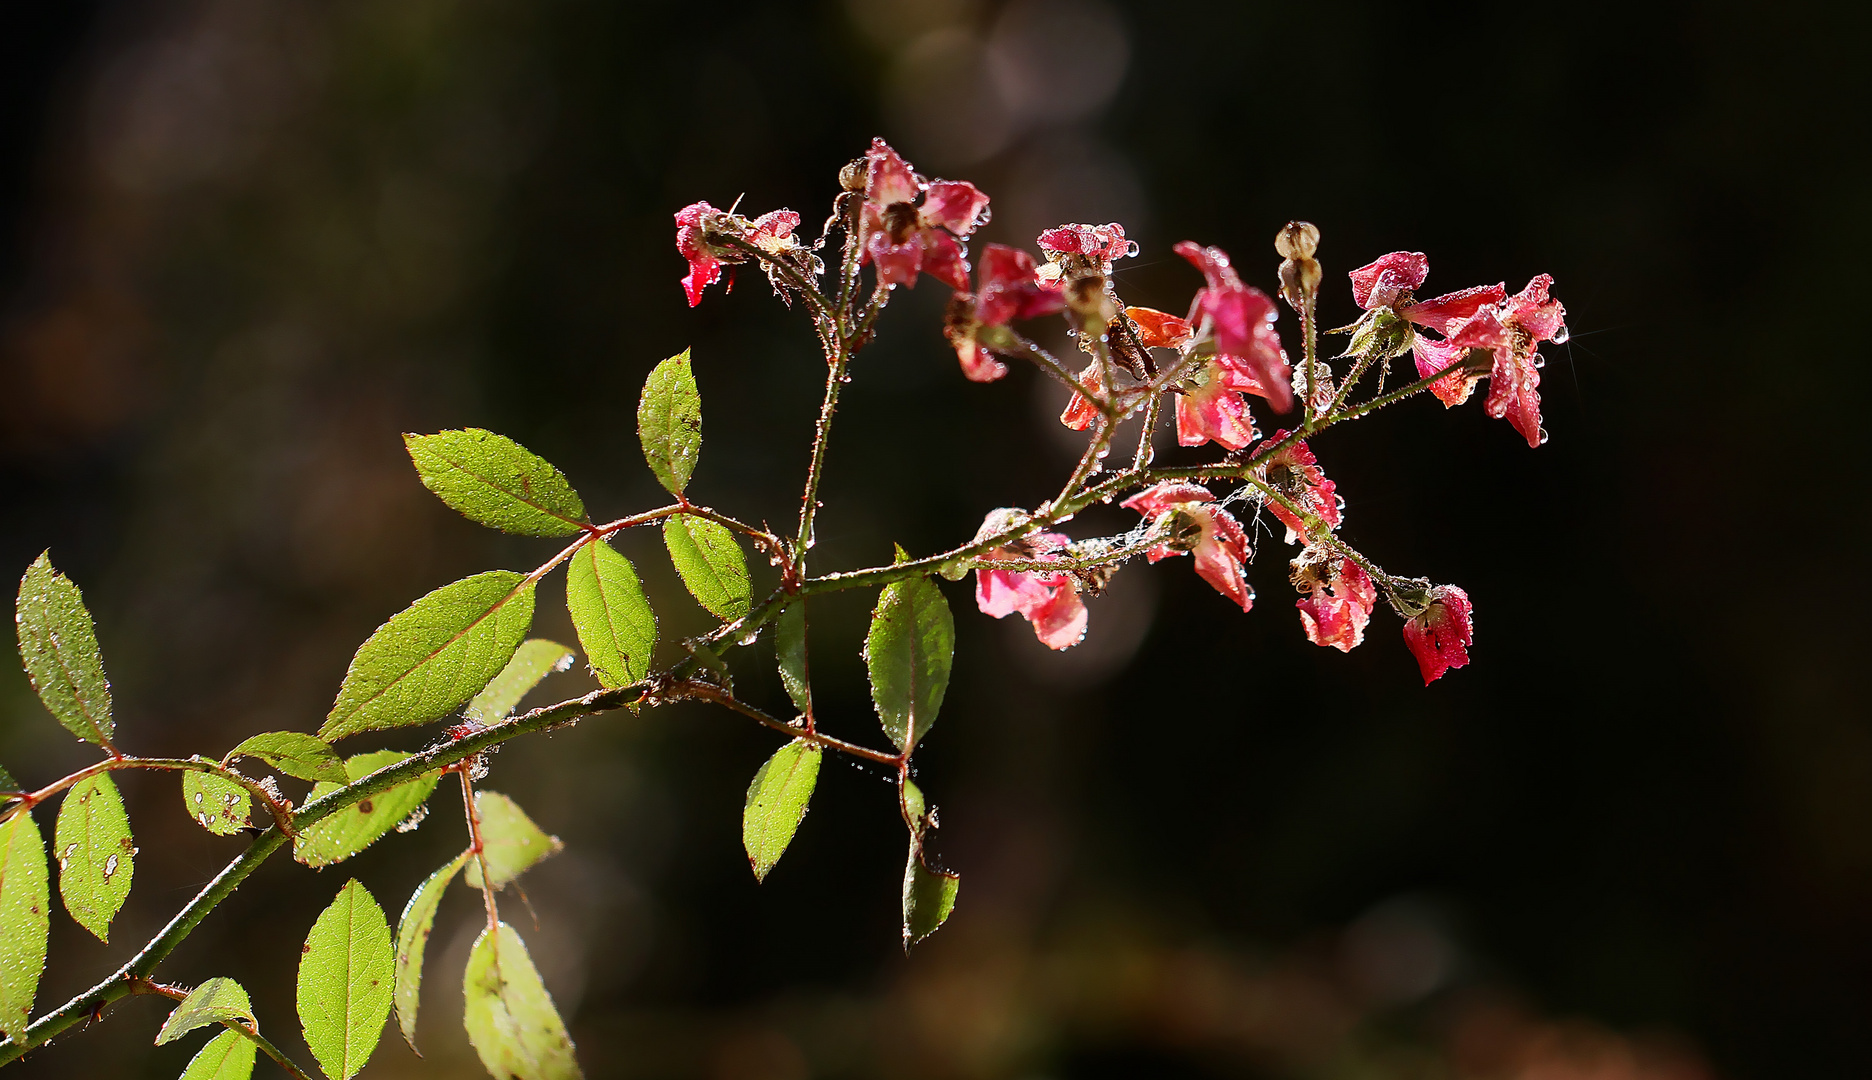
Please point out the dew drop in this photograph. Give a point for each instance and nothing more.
(1131, 249)
(1539, 362)
(1543, 436)
(110, 867)
(1561, 335)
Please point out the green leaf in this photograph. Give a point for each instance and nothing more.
(434, 655)
(293, 753)
(7, 783)
(535, 659)
(216, 1000)
(413, 938)
(669, 421)
(510, 842)
(711, 564)
(510, 1017)
(928, 898)
(25, 920)
(58, 646)
(356, 827)
(345, 973)
(913, 805)
(95, 853)
(227, 1056)
(790, 650)
(497, 482)
(216, 803)
(908, 651)
(614, 621)
(776, 803)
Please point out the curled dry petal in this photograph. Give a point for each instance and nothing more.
(1099, 245)
(1080, 413)
(704, 267)
(1379, 283)
(1441, 636)
(1433, 356)
(1337, 612)
(1159, 329)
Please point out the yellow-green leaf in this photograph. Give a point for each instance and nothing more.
(58, 646)
(293, 753)
(495, 481)
(345, 973)
(216, 1000)
(216, 803)
(908, 652)
(614, 621)
(669, 422)
(346, 832)
(535, 659)
(510, 842)
(434, 655)
(510, 1017)
(95, 853)
(776, 803)
(227, 1056)
(25, 920)
(710, 562)
(413, 939)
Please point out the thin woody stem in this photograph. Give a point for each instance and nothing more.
(280, 811)
(815, 469)
(711, 692)
(123, 981)
(821, 307)
(1050, 364)
(176, 993)
(1142, 459)
(478, 848)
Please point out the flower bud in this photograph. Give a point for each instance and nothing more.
(1297, 240)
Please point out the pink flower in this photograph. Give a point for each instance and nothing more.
(1214, 410)
(1512, 334)
(1338, 611)
(1008, 291)
(1211, 533)
(909, 225)
(1050, 602)
(1097, 245)
(1241, 318)
(1440, 637)
(772, 233)
(1295, 473)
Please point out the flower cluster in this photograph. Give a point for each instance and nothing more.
(1211, 362)
(1510, 328)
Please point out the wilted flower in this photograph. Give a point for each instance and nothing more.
(1050, 602)
(1295, 473)
(1209, 532)
(772, 233)
(1083, 249)
(909, 225)
(1441, 634)
(1341, 602)
(1240, 319)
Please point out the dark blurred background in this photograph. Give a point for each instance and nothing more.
(242, 246)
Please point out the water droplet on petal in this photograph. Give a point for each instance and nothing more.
(1543, 436)
(1131, 249)
(1561, 335)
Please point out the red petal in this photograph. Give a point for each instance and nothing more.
(1168, 494)
(1433, 356)
(1080, 413)
(1377, 283)
(978, 364)
(1060, 622)
(1442, 312)
(1514, 393)
(1212, 261)
(955, 205)
(942, 259)
(1440, 637)
(1532, 310)
(888, 179)
(1214, 412)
